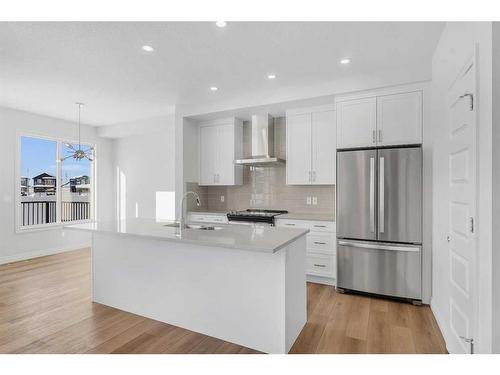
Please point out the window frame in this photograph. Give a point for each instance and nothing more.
(59, 144)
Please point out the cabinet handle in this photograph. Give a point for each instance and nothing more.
(310, 176)
(314, 176)
(380, 135)
(319, 226)
(319, 243)
(374, 136)
(319, 265)
(292, 225)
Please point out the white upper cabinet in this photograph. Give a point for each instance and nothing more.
(399, 119)
(356, 123)
(324, 152)
(298, 149)
(220, 143)
(310, 147)
(383, 120)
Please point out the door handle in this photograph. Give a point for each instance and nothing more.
(319, 243)
(374, 246)
(374, 136)
(380, 135)
(372, 195)
(381, 195)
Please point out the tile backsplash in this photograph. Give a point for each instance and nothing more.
(265, 187)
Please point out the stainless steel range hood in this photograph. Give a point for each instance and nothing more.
(262, 143)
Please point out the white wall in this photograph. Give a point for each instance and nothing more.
(144, 172)
(16, 246)
(496, 187)
(454, 49)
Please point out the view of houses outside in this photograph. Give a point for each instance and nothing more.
(39, 185)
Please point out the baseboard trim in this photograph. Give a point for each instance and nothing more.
(40, 253)
(440, 323)
(320, 280)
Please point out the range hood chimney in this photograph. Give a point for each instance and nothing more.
(262, 143)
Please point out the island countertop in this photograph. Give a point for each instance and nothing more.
(245, 237)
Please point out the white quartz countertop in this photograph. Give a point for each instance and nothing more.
(244, 237)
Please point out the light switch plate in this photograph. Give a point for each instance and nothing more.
(315, 201)
(308, 200)
(222, 198)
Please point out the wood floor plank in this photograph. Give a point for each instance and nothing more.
(378, 335)
(46, 307)
(357, 328)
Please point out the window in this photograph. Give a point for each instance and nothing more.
(51, 191)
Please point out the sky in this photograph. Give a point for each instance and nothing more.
(39, 156)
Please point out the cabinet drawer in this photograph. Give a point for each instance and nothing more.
(312, 225)
(321, 265)
(322, 226)
(208, 218)
(323, 243)
(293, 223)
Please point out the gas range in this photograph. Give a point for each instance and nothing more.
(255, 216)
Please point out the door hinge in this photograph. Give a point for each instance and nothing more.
(471, 224)
(471, 96)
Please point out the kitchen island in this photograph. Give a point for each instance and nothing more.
(240, 283)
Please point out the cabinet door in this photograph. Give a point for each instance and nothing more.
(298, 149)
(356, 123)
(323, 148)
(225, 155)
(208, 154)
(399, 119)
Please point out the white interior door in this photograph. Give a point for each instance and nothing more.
(323, 149)
(462, 249)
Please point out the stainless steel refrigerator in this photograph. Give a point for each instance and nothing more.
(379, 221)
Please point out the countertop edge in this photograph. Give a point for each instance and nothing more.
(195, 242)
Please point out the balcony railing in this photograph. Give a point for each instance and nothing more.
(44, 212)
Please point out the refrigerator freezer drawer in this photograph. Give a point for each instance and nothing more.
(380, 268)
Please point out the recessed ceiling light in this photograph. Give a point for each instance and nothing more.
(271, 76)
(221, 23)
(345, 61)
(148, 48)
(213, 88)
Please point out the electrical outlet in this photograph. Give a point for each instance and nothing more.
(222, 198)
(315, 201)
(308, 200)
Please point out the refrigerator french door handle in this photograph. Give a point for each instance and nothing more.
(375, 246)
(381, 197)
(372, 195)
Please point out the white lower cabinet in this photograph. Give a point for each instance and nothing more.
(321, 248)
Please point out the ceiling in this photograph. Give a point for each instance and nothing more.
(47, 67)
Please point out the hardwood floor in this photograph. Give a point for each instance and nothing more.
(45, 307)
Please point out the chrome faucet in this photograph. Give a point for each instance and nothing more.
(182, 221)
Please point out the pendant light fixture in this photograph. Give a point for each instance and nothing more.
(79, 154)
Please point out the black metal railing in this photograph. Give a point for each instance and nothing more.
(71, 211)
(44, 212)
